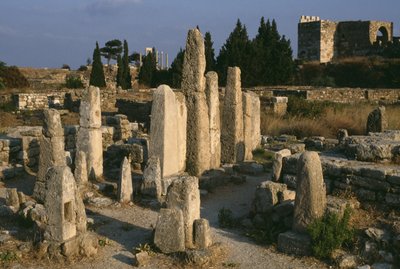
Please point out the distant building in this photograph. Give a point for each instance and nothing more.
(161, 58)
(324, 40)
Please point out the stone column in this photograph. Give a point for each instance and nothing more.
(51, 149)
(377, 120)
(183, 194)
(193, 86)
(215, 121)
(251, 123)
(232, 140)
(164, 131)
(64, 207)
(182, 124)
(310, 202)
(125, 186)
(89, 138)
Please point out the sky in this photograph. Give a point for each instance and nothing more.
(50, 33)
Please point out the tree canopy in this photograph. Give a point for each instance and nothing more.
(209, 52)
(148, 69)
(111, 50)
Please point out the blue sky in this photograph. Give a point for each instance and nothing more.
(49, 33)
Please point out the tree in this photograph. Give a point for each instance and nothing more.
(234, 52)
(126, 82)
(209, 53)
(149, 67)
(97, 74)
(176, 69)
(135, 58)
(120, 71)
(111, 50)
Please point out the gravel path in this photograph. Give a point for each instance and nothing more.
(128, 226)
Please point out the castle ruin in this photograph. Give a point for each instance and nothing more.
(324, 40)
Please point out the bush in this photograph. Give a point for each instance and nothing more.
(83, 68)
(225, 218)
(66, 66)
(2, 86)
(12, 78)
(73, 82)
(329, 233)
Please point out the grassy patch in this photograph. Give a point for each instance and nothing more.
(329, 233)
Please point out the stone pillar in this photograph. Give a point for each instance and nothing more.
(310, 202)
(169, 235)
(125, 186)
(251, 123)
(64, 207)
(51, 149)
(183, 194)
(377, 121)
(232, 140)
(182, 124)
(164, 131)
(193, 86)
(215, 121)
(151, 184)
(80, 173)
(89, 138)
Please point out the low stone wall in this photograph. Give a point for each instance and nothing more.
(137, 111)
(65, 98)
(342, 95)
(369, 181)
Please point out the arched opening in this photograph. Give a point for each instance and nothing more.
(382, 37)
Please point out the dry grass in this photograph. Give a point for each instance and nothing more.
(351, 117)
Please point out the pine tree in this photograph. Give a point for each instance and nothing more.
(209, 52)
(176, 69)
(149, 67)
(235, 52)
(126, 82)
(97, 74)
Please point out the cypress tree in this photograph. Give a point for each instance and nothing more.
(235, 52)
(176, 69)
(126, 82)
(120, 71)
(209, 52)
(149, 67)
(97, 74)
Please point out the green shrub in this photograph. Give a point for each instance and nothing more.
(329, 233)
(73, 82)
(2, 86)
(323, 81)
(225, 218)
(83, 68)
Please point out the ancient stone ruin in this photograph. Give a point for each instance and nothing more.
(89, 138)
(377, 122)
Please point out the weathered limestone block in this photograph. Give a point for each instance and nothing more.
(267, 196)
(193, 87)
(377, 121)
(90, 142)
(12, 198)
(125, 188)
(202, 234)
(63, 210)
(310, 200)
(294, 243)
(90, 108)
(52, 123)
(51, 147)
(80, 173)
(184, 194)
(215, 121)
(169, 234)
(251, 123)
(232, 140)
(277, 164)
(182, 123)
(151, 184)
(164, 131)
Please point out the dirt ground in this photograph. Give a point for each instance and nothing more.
(122, 228)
